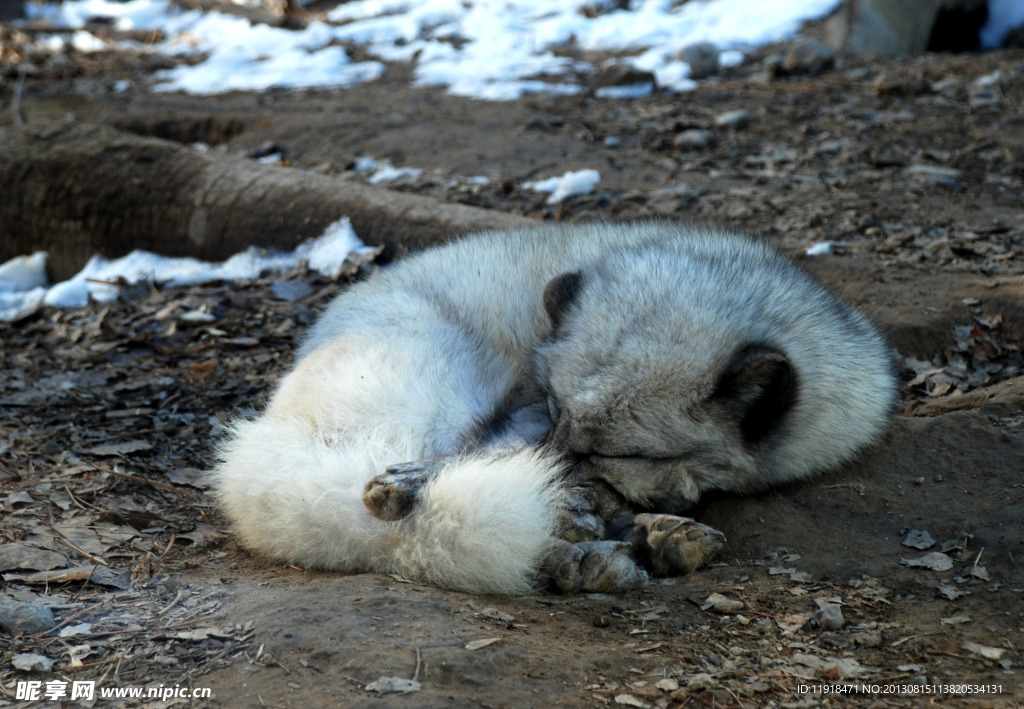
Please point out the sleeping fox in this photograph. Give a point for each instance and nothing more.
(528, 408)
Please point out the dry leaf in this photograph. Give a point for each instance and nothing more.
(477, 644)
(391, 685)
(936, 561)
(986, 651)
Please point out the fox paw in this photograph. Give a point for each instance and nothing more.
(578, 521)
(394, 493)
(672, 545)
(592, 567)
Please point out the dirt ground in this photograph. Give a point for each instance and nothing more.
(912, 168)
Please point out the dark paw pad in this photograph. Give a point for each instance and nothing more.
(393, 494)
(674, 545)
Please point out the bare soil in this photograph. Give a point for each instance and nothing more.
(914, 168)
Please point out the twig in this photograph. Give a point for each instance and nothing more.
(136, 478)
(68, 543)
(81, 503)
(72, 668)
(86, 582)
(177, 597)
(73, 616)
(166, 551)
(19, 117)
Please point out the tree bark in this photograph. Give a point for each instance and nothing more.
(74, 190)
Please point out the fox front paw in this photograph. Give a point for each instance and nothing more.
(667, 544)
(578, 520)
(394, 493)
(592, 567)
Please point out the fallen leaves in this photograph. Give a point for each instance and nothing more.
(104, 429)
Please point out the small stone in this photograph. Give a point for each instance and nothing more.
(29, 618)
(807, 56)
(694, 139)
(668, 684)
(622, 75)
(830, 617)
(700, 682)
(734, 119)
(611, 142)
(702, 58)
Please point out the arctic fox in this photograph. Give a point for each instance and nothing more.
(485, 415)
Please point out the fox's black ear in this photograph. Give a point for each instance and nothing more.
(759, 385)
(560, 293)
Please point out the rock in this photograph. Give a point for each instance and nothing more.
(700, 682)
(30, 618)
(830, 617)
(734, 119)
(807, 57)
(622, 75)
(702, 58)
(903, 27)
(694, 139)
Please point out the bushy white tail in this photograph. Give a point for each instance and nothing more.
(481, 525)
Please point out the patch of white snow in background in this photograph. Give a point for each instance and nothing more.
(23, 283)
(571, 183)
(378, 171)
(488, 49)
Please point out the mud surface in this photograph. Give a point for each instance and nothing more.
(913, 168)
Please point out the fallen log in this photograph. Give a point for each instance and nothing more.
(75, 190)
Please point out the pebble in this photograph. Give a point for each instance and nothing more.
(703, 58)
(611, 142)
(694, 138)
(830, 617)
(30, 618)
(734, 119)
(808, 56)
(622, 75)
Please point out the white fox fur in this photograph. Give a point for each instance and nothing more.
(420, 361)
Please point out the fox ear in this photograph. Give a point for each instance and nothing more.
(560, 293)
(759, 386)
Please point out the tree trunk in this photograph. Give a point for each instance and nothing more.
(74, 190)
